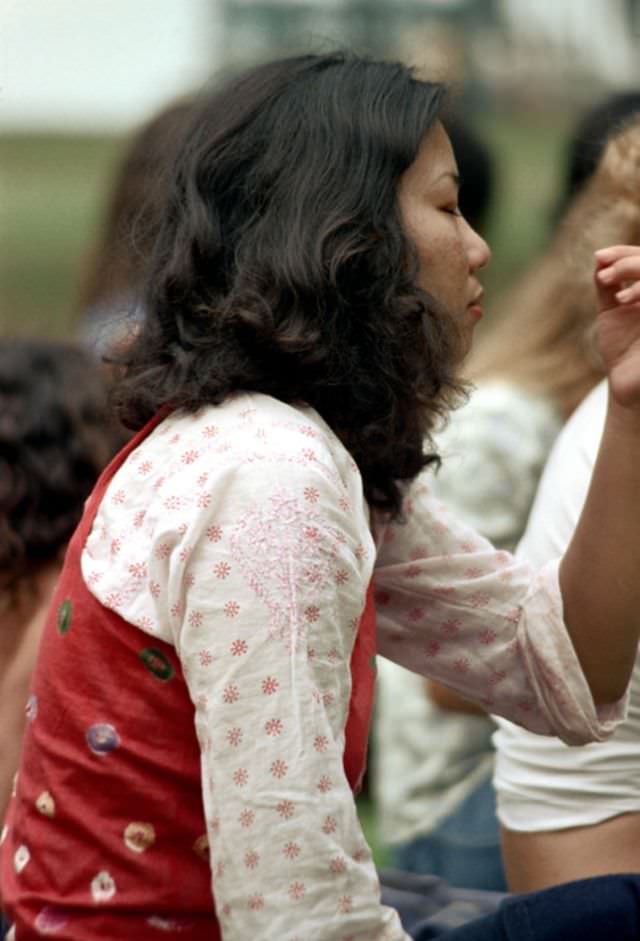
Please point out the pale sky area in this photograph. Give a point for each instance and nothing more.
(106, 64)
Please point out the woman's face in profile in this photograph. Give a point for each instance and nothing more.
(450, 252)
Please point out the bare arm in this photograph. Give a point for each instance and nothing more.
(599, 574)
(447, 699)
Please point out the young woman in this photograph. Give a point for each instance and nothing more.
(201, 702)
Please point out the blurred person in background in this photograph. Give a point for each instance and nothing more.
(435, 756)
(55, 438)
(567, 814)
(109, 305)
(205, 681)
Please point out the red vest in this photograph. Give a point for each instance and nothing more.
(106, 836)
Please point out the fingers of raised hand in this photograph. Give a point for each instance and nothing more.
(618, 274)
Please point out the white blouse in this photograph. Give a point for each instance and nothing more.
(241, 536)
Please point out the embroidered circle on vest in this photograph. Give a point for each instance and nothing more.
(63, 618)
(138, 837)
(102, 738)
(157, 663)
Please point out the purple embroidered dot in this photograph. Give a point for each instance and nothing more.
(31, 709)
(102, 738)
(50, 920)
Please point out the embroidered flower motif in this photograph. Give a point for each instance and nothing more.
(247, 818)
(329, 825)
(270, 686)
(214, 534)
(189, 457)
(234, 736)
(296, 891)
(311, 494)
(279, 768)
(312, 613)
(239, 648)
(163, 551)
(103, 888)
(138, 837)
(154, 589)
(203, 501)
(461, 665)
(325, 784)
(222, 570)
(285, 809)
(240, 777)
(232, 609)
(210, 431)
(251, 859)
(205, 657)
(119, 497)
(138, 570)
(487, 636)
(342, 577)
(195, 619)
(451, 627)
(338, 865)
(231, 693)
(432, 648)
(145, 468)
(291, 850)
(273, 727)
(256, 902)
(321, 743)
(345, 904)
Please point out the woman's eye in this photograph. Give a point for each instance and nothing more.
(452, 210)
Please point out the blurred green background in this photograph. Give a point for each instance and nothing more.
(55, 189)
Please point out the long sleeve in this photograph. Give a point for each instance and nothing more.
(258, 563)
(452, 607)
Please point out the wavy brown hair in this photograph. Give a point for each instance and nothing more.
(281, 265)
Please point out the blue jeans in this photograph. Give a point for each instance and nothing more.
(464, 849)
(604, 908)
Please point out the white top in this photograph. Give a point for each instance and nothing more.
(428, 760)
(542, 784)
(241, 536)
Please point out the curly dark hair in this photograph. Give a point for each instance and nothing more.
(55, 438)
(281, 265)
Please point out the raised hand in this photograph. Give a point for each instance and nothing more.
(618, 281)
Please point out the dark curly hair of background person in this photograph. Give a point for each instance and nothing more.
(281, 265)
(55, 438)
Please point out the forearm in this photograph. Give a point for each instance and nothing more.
(599, 573)
(447, 699)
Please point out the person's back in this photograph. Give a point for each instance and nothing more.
(55, 437)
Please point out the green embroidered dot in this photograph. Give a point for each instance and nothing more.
(63, 617)
(373, 663)
(157, 663)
